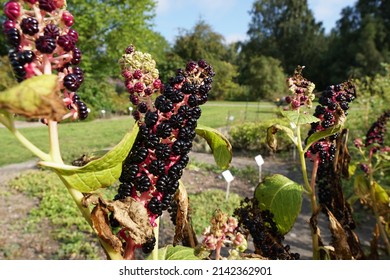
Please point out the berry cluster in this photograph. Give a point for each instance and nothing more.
(43, 42)
(377, 131)
(167, 123)
(301, 90)
(223, 232)
(261, 226)
(332, 110)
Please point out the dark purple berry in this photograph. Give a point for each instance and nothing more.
(47, 5)
(151, 119)
(157, 167)
(155, 206)
(71, 82)
(52, 31)
(176, 121)
(74, 35)
(45, 44)
(142, 107)
(192, 101)
(163, 104)
(148, 246)
(162, 183)
(129, 173)
(76, 57)
(66, 42)
(139, 154)
(152, 141)
(142, 183)
(79, 73)
(13, 37)
(26, 57)
(188, 88)
(29, 26)
(163, 151)
(164, 130)
(180, 147)
(82, 110)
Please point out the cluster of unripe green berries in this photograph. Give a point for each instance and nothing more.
(167, 115)
(43, 41)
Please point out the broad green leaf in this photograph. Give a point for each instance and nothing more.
(282, 197)
(219, 144)
(177, 252)
(381, 195)
(322, 134)
(98, 173)
(37, 97)
(299, 118)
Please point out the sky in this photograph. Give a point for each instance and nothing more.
(229, 17)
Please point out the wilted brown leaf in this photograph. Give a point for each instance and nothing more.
(184, 231)
(271, 139)
(339, 239)
(130, 214)
(101, 224)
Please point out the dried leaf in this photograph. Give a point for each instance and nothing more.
(132, 215)
(184, 231)
(101, 224)
(271, 139)
(37, 97)
(339, 239)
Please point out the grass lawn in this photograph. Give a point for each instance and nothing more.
(80, 138)
(76, 139)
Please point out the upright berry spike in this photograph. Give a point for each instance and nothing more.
(167, 126)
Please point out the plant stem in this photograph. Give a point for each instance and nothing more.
(85, 211)
(311, 192)
(156, 232)
(55, 152)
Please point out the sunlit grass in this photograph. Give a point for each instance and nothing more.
(80, 138)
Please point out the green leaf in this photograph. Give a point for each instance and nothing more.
(282, 197)
(322, 134)
(98, 173)
(177, 252)
(37, 97)
(219, 144)
(361, 186)
(299, 118)
(381, 195)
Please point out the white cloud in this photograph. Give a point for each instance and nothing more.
(231, 38)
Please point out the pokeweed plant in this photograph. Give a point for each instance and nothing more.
(374, 159)
(326, 147)
(149, 160)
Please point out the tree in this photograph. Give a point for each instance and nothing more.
(203, 43)
(361, 40)
(265, 78)
(107, 27)
(286, 30)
